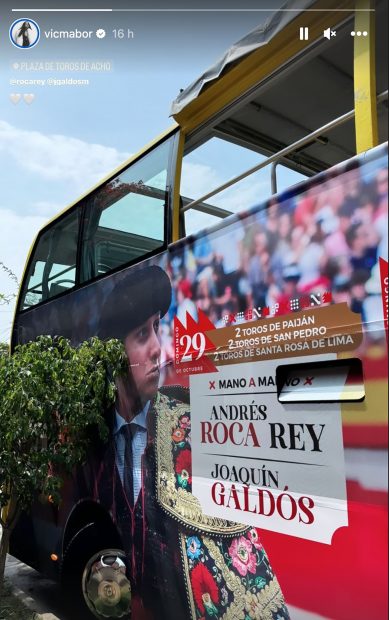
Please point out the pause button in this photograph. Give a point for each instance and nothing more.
(304, 35)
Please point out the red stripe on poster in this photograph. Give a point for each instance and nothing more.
(365, 436)
(336, 582)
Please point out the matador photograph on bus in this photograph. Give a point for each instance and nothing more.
(198, 346)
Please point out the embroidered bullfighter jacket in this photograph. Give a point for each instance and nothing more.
(184, 564)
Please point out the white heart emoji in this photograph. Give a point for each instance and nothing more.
(28, 98)
(15, 97)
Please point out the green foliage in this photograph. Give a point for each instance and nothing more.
(4, 348)
(6, 299)
(52, 400)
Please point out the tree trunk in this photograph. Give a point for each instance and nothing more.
(12, 514)
(4, 542)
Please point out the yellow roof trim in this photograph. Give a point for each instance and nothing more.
(253, 68)
(366, 124)
(177, 188)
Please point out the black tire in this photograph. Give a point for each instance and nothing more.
(84, 546)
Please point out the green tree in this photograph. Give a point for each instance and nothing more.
(6, 299)
(52, 401)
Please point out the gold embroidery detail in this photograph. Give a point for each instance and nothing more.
(270, 599)
(188, 584)
(258, 606)
(179, 502)
(236, 609)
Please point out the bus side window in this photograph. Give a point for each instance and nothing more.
(53, 266)
(125, 218)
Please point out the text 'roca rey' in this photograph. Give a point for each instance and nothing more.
(289, 436)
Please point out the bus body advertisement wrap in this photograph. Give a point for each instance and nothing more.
(248, 424)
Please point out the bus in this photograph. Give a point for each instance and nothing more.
(242, 258)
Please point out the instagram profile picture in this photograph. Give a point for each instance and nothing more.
(24, 33)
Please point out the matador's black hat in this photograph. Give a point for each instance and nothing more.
(135, 297)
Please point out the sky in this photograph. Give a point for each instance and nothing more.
(62, 139)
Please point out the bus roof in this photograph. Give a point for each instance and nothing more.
(262, 34)
(262, 94)
(264, 54)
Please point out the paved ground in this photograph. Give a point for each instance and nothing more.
(38, 593)
(46, 597)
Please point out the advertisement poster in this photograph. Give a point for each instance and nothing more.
(267, 464)
(255, 460)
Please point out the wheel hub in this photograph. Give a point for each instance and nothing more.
(109, 592)
(106, 588)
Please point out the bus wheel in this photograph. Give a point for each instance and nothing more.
(95, 573)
